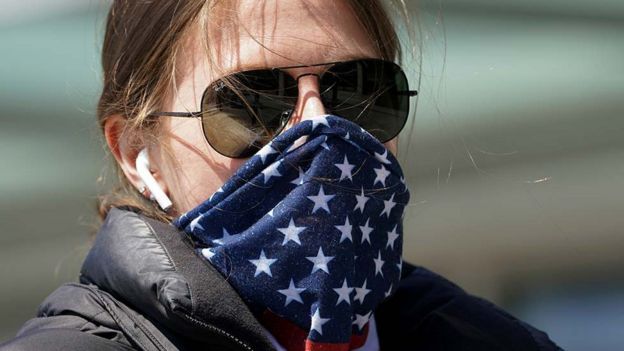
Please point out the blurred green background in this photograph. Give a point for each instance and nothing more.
(515, 162)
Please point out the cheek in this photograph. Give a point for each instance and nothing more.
(392, 145)
(196, 171)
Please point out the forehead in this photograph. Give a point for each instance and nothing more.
(269, 33)
(299, 32)
(274, 33)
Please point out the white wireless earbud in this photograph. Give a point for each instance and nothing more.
(142, 167)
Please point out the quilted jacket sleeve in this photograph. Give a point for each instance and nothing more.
(71, 318)
(61, 339)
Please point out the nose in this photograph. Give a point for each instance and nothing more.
(309, 102)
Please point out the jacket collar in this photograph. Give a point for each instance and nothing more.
(152, 266)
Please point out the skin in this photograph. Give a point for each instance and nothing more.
(279, 33)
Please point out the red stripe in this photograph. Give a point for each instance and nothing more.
(293, 338)
(320, 346)
(358, 340)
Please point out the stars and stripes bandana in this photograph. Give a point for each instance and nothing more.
(308, 231)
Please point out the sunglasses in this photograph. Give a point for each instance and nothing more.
(243, 111)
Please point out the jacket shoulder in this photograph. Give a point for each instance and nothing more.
(429, 312)
(75, 315)
(144, 287)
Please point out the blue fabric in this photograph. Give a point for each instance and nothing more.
(311, 231)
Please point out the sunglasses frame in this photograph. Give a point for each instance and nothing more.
(200, 114)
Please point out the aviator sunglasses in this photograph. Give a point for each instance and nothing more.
(241, 112)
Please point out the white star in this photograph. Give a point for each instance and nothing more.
(320, 200)
(263, 264)
(389, 291)
(400, 265)
(225, 239)
(318, 321)
(292, 293)
(324, 144)
(366, 230)
(378, 264)
(207, 252)
(392, 236)
(388, 205)
(320, 261)
(220, 190)
(383, 158)
(195, 223)
(347, 136)
(345, 169)
(316, 121)
(343, 293)
(382, 173)
(299, 180)
(361, 201)
(270, 213)
(361, 320)
(302, 140)
(271, 171)
(266, 151)
(291, 232)
(345, 230)
(360, 293)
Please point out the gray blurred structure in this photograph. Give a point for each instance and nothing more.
(515, 164)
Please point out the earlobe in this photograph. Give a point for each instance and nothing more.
(125, 148)
(143, 170)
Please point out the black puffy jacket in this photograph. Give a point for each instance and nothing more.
(142, 287)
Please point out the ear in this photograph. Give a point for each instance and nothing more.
(125, 149)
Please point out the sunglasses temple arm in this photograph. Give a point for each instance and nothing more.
(176, 114)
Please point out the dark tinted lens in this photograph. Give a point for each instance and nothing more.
(244, 111)
(371, 93)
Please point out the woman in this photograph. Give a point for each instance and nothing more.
(261, 203)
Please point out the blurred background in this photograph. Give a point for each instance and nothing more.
(515, 161)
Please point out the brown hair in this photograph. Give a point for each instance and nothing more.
(142, 45)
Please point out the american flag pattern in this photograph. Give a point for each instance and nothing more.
(309, 232)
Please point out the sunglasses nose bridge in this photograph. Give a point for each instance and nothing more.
(309, 102)
(302, 71)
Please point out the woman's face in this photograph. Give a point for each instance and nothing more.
(278, 33)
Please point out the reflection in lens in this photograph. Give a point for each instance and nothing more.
(247, 109)
(228, 134)
(367, 92)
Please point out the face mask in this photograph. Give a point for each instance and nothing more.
(309, 234)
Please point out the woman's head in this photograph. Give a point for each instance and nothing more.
(161, 55)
